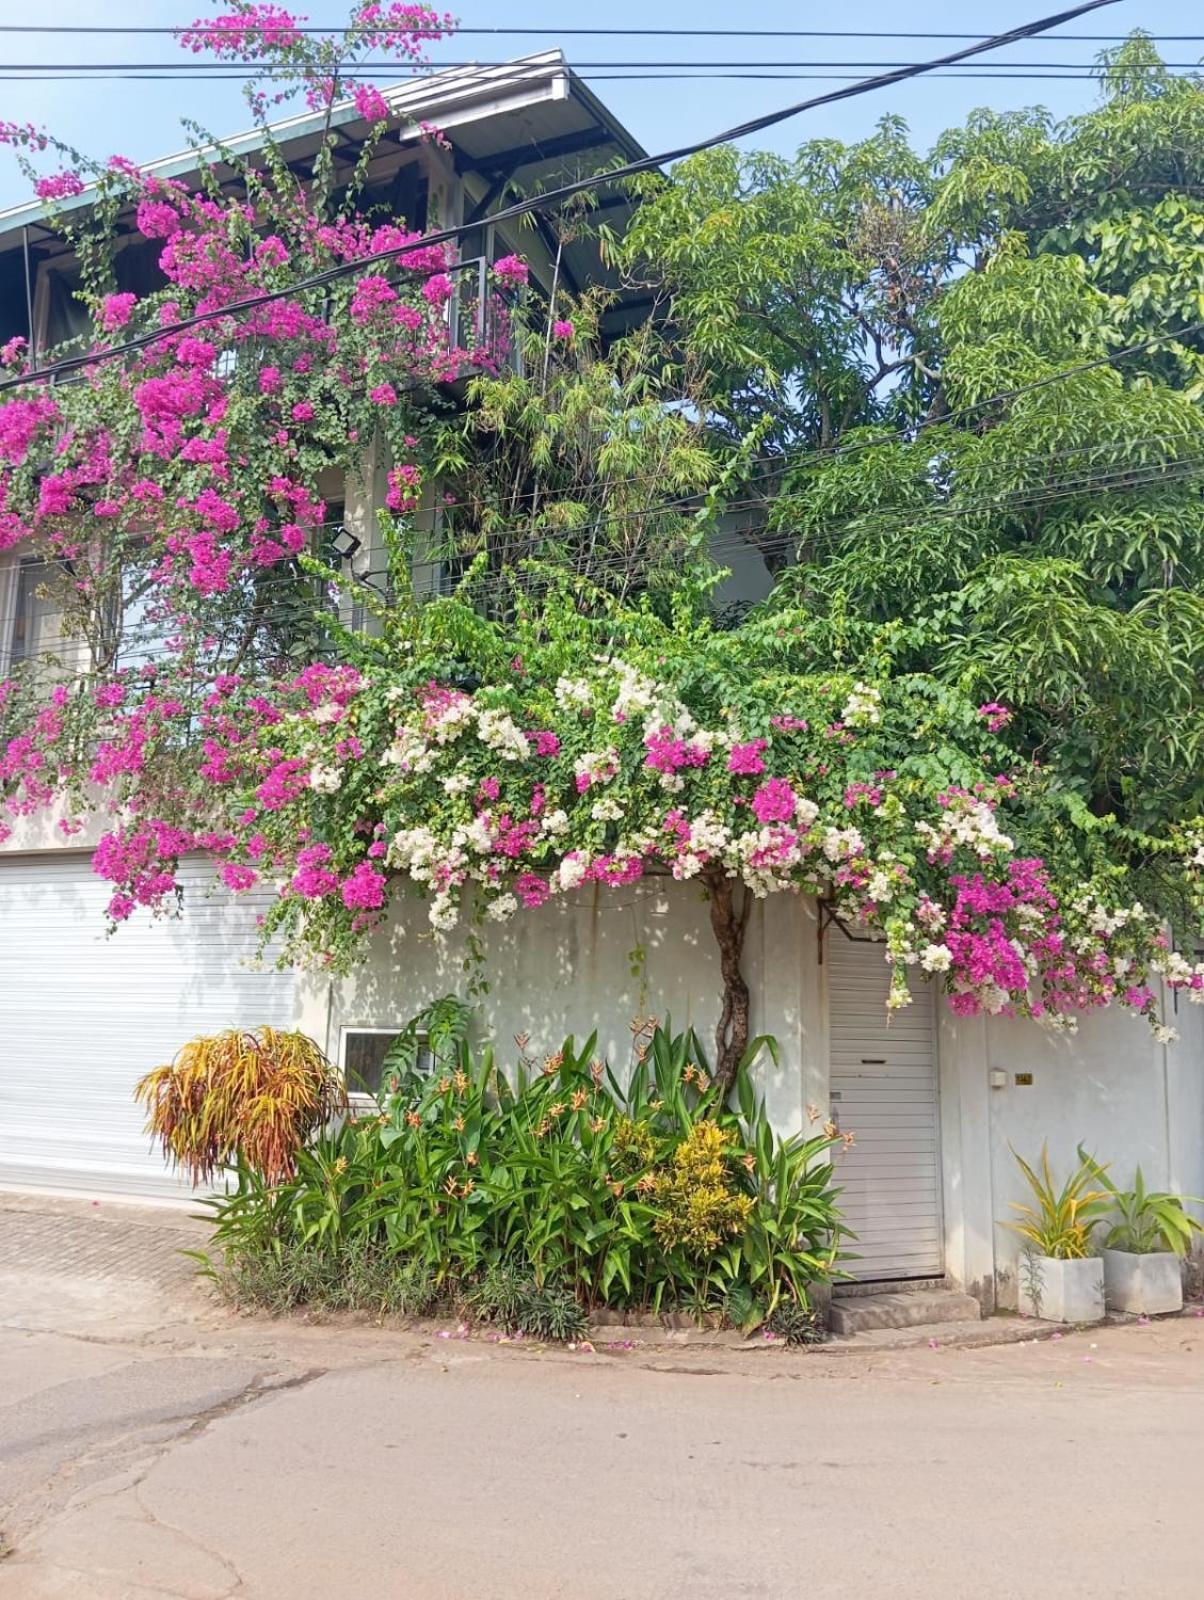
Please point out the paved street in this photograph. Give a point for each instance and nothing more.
(153, 1446)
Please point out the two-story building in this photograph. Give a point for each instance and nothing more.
(934, 1100)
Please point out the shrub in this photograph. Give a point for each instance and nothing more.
(508, 1295)
(254, 1096)
(511, 1193)
(1144, 1220)
(361, 1277)
(698, 1204)
(1061, 1223)
(796, 1324)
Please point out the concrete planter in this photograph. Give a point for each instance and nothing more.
(1145, 1284)
(1062, 1291)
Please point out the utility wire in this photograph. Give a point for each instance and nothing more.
(268, 69)
(619, 33)
(582, 185)
(682, 76)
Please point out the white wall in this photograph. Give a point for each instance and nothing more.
(1127, 1099)
(567, 968)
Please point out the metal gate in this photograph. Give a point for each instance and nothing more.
(83, 1015)
(884, 1092)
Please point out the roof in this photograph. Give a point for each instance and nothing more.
(528, 122)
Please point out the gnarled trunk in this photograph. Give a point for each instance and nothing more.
(731, 906)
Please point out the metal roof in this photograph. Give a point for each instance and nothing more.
(525, 120)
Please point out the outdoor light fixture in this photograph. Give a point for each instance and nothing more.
(344, 544)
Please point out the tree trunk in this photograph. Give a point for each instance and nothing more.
(729, 923)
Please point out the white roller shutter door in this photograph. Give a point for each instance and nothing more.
(83, 1015)
(884, 1091)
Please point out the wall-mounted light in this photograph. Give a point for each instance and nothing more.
(345, 544)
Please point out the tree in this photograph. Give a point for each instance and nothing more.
(968, 715)
(1043, 548)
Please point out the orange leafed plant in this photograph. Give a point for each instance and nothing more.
(256, 1094)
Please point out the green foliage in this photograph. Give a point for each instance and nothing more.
(509, 1296)
(698, 1202)
(1061, 1223)
(1046, 550)
(1144, 1219)
(796, 1324)
(290, 1276)
(581, 462)
(515, 1192)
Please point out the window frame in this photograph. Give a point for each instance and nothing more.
(361, 1100)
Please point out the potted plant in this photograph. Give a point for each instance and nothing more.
(1059, 1279)
(1144, 1247)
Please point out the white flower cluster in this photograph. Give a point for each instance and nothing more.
(325, 780)
(636, 694)
(570, 874)
(501, 733)
(476, 835)
(502, 909)
(766, 857)
(410, 752)
(1180, 972)
(573, 692)
(709, 839)
(936, 958)
(599, 766)
(450, 721)
(839, 844)
(863, 708)
(970, 823)
(416, 851)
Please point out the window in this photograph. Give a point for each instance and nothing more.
(363, 1052)
(25, 613)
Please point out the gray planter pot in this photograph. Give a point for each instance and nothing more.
(1145, 1285)
(1062, 1291)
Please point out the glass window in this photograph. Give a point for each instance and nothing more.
(364, 1053)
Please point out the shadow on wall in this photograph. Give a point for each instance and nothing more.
(600, 959)
(1109, 1087)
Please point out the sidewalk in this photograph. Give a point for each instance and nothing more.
(97, 1239)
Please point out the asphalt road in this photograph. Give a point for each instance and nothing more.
(151, 1446)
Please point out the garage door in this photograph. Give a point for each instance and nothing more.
(83, 1015)
(884, 1091)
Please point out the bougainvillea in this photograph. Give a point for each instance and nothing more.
(493, 765)
(523, 777)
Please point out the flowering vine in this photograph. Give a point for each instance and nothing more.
(495, 767)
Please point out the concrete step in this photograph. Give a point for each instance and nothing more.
(860, 1313)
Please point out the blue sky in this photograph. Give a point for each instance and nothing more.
(142, 120)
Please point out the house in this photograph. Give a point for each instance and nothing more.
(934, 1101)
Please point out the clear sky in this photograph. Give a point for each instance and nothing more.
(141, 119)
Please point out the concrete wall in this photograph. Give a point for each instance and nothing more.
(568, 968)
(1110, 1087)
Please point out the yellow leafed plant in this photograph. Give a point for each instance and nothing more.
(699, 1206)
(258, 1094)
(1061, 1222)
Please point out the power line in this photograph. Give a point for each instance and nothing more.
(579, 186)
(607, 32)
(684, 76)
(268, 69)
